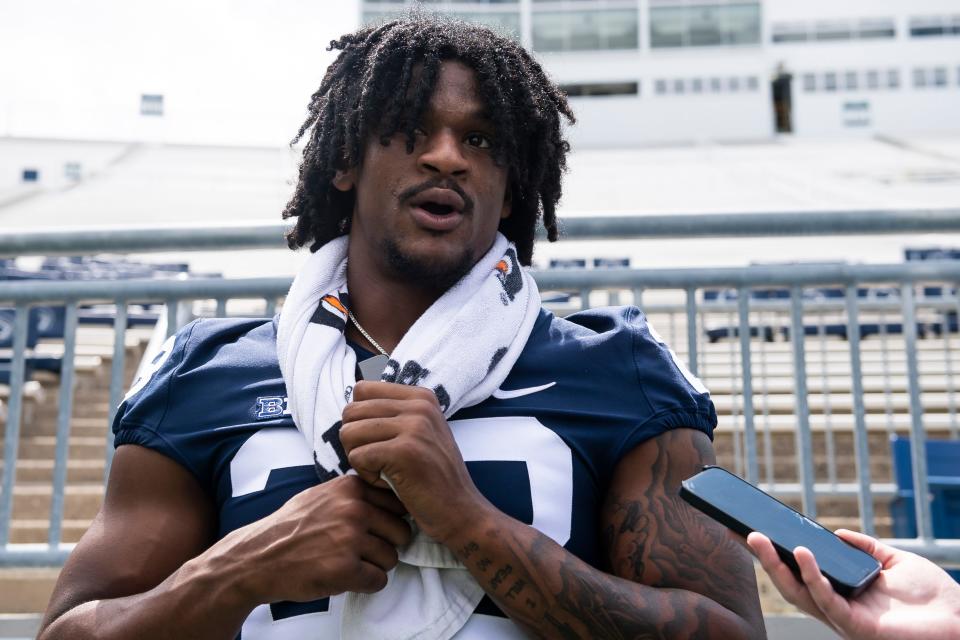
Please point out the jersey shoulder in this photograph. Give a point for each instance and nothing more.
(603, 379)
(211, 375)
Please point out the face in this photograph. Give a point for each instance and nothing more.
(426, 217)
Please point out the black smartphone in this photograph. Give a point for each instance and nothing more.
(742, 507)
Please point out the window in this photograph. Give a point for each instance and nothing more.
(851, 81)
(716, 85)
(919, 78)
(31, 175)
(72, 171)
(832, 30)
(940, 77)
(679, 86)
(752, 83)
(934, 26)
(696, 85)
(873, 79)
(876, 28)
(505, 21)
(809, 82)
(151, 104)
(893, 78)
(789, 32)
(601, 89)
(703, 25)
(830, 81)
(733, 84)
(660, 86)
(585, 30)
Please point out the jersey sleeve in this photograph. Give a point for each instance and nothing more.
(671, 396)
(140, 416)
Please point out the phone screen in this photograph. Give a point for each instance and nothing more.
(755, 510)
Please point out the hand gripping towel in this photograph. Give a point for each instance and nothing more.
(462, 348)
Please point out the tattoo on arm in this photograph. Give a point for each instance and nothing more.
(652, 538)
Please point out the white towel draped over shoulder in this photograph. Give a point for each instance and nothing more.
(462, 348)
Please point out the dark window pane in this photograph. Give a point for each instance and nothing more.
(830, 81)
(601, 89)
(809, 82)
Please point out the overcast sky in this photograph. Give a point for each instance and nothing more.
(67, 67)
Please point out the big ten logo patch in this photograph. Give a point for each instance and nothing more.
(272, 407)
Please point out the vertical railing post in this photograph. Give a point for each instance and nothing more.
(14, 415)
(64, 414)
(861, 443)
(918, 436)
(803, 435)
(117, 377)
(746, 376)
(692, 330)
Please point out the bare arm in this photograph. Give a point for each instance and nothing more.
(146, 569)
(675, 573)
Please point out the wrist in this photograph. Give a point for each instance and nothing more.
(226, 575)
(469, 522)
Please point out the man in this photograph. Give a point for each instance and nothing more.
(428, 140)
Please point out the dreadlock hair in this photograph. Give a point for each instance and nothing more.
(372, 89)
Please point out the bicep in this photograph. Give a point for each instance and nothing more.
(155, 517)
(655, 538)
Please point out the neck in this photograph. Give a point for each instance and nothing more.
(386, 308)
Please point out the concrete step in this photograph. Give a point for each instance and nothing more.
(37, 531)
(92, 427)
(31, 501)
(33, 470)
(26, 590)
(80, 447)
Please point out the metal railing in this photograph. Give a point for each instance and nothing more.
(739, 361)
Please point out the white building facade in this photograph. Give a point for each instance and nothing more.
(647, 72)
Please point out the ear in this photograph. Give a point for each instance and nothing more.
(507, 207)
(344, 180)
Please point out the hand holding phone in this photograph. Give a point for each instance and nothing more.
(744, 508)
(913, 600)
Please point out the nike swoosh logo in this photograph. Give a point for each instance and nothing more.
(504, 394)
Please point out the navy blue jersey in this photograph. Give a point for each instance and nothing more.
(584, 392)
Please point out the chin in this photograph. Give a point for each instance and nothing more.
(430, 271)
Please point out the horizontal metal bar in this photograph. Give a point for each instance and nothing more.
(141, 290)
(767, 275)
(838, 490)
(34, 555)
(942, 551)
(575, 279)
(269, 234)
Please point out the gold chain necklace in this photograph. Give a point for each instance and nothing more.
(366, 335)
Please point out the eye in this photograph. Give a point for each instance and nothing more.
(479, 140)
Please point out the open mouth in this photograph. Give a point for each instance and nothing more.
(437, 208)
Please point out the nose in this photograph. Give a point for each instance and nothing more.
(443, 154)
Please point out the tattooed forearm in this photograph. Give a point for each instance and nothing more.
(675, 573)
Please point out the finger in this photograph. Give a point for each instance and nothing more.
(388, 527)
(780, 574)
(354, 435)
(369, 578)
(370, 390)
(833, 605)
(372, 408)
(384, 499)
(377, 551)
(370, 459)
(874, 547)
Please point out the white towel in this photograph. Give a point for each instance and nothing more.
(462, 348)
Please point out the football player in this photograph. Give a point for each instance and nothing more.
(557, 491)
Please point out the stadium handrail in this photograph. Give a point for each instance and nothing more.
(269, 234)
